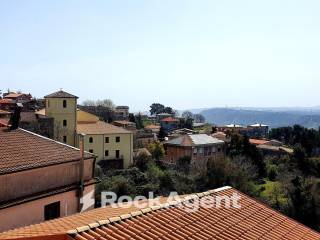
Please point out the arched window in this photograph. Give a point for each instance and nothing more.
(64, 103)
(90, 140)
(64, 123)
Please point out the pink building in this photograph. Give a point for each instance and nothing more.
(40, 179)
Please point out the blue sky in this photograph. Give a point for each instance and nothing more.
(186, 54)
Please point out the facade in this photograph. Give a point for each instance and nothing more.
(161, 116)
(112, 145)
(169, 124)
(37, 123)
(121, 112)
(154, 128)
(11, 99)
(144, 137)
(40, 178)
(257, 130)
(156, 220)
(62, 106)
(199, 147)
(131, 126)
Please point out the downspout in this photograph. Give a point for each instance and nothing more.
(81, 171)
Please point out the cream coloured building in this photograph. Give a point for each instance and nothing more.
(112, 145)
(62, 106)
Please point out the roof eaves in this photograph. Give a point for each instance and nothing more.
(174, 203)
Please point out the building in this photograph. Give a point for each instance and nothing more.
(40, 178)
(257, 130)
(199, 147)
(161, 116)
(154, 128)
(11, 99)
(62, 106)
(121, 113)
(112, 145)
(170, 219)
(258, 142)
(221, 136)
(144, 137)
(182, 131)
(37, 123)
(169, 124)
(131, 126)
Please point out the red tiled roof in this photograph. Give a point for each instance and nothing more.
(4, 122)
(252, 220)
(257, 141)
(99, 127)
(152, 126)
(169, 119)
(14, 95)
(5, 101)
(4, 112)
(60, 94)
(23, 150)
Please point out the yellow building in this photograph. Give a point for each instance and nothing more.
(112, 145)
(62, 106)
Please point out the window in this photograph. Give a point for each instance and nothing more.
(65, 139)
(90, 140)
(117, 153)
(64, 103)
(117, 139)
(90, 150)
(107, 139)
(52, 211)
(106, 153)
(48, 103)
(64, 123)
(194, 151)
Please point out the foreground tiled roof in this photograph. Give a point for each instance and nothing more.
(252, 220)
(60, 94)
(99, 127)
(193, 140)
(22, 150)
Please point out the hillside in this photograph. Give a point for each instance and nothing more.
(222, 116)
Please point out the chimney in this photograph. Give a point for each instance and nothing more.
(81, 171)
(15, 117)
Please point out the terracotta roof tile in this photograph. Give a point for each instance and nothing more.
(60, 94)
(22, 150)
(170, 119)
(152, 126)
(252, 220)
(99, 127)
(257, 141)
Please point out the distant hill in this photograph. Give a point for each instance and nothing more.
(306, 117)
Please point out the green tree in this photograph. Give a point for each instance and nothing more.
(156, 108)
(184, 164)
(157, 150)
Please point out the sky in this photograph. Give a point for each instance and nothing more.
(183, 54)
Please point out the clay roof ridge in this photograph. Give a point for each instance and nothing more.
(143, 211)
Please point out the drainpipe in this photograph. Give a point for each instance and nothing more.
(81, 170)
